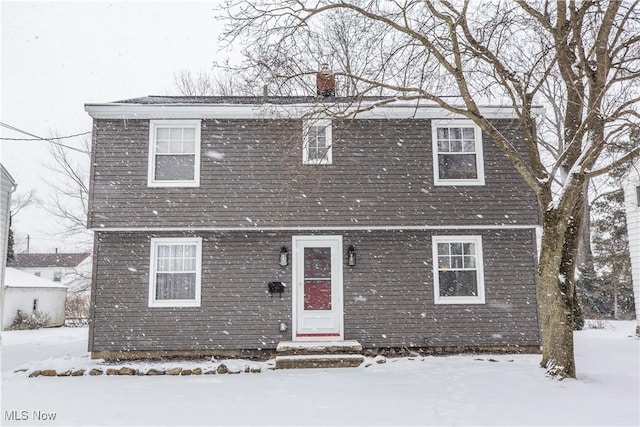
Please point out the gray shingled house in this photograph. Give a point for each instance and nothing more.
(229, 225)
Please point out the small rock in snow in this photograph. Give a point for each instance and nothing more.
(380, 360)
(174, 371)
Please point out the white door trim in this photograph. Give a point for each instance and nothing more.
(337, 303)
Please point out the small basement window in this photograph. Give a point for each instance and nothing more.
(458, 272)
(174, 153)
(457, 153)
(317, 143)
(175, 272)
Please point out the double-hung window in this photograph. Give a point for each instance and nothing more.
(174, 153)
(457, 153)
(175, 272)
(458, 272)
(317, 144)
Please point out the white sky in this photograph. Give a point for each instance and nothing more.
(56, 56)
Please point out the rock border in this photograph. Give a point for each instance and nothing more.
(221, 369)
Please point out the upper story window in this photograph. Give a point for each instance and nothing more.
(175, 272)
(174, 153)
(457, 153)
(458, 273)
(57, 276)
(317, 145)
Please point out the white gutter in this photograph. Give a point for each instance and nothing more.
(397, 110)
(319, 228)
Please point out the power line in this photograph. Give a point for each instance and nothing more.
(38, 138)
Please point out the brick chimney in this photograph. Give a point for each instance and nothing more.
(325, 82)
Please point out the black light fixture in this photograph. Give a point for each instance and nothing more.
(284, 257)
(351, 256)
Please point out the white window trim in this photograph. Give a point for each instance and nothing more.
(155, 124)
(155, 242)
(435, 124)
(328, 159)
(477, 240)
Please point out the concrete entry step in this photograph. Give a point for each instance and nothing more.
(293, 348)
(319, 361)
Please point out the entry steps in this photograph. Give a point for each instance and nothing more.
(318, 354)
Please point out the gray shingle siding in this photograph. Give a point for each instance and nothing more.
(382, 175)
(388, 296)
(252, 176)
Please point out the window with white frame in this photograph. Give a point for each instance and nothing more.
(175, 272)
(174, 153)
(458, 271)
(457, 153)
(317, 144)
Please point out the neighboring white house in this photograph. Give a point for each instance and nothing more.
(7, 186)
(27, 293)
(58, 267)
(631, 187)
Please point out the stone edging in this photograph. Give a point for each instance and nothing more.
(128, 371)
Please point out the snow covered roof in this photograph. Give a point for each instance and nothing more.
(245, 100)
(15, 278)
(48, 260)
(6, 176)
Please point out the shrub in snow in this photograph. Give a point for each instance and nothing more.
(76, 310)
(34, 320)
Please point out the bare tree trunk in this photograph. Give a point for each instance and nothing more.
(555, 293)
(585, 254)
(615, 298)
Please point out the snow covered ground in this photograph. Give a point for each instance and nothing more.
(454, 390)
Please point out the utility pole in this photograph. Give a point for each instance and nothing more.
(28, 239)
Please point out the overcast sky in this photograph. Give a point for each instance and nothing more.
(56, 56)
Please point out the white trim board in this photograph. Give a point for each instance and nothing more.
(324, 228)
(398, 110)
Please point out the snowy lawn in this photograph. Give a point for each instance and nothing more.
(454, 390)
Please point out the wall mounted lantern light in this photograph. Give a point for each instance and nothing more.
(351, 256)
(284, 257)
